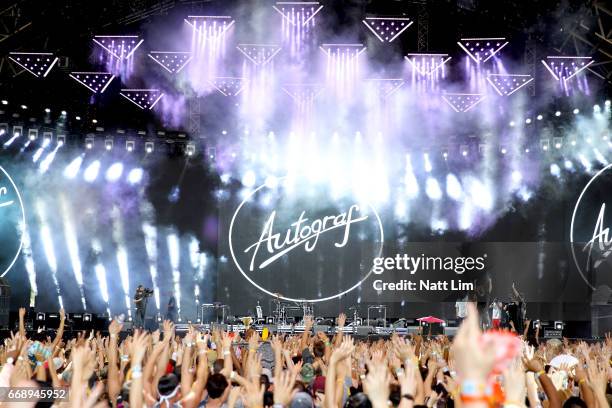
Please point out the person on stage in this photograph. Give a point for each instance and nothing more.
(171, 313)
(496, 313)
(140, 301)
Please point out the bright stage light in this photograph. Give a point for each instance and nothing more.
(119, 46)
(439, 225)
(345, 52)
(143, 98)
(480, 193)
(210, 26)
(259, 54)
(482, 49)
(503, 150)
(91, 172)
(427, 163)
(150, 237)
(229, 86)
(171, 61)
(555, 170)
(47, 110)
(122, 256)
(46, 162)
(576, 111)
(387, 29)
(71, 171)
(512, 123)
(130, 145)
(174, 251)
(600, 157)
(539, 117)
(135, 176)
(411, 185)
(114, 172)
(568, 164)
(38, 64)
(272, 182)
(149, 147)
(48, 248)
(564, 68)
(585, 163)
(249, 179)
(427, 64)
(12, 139)
(558, 113)
(108, 144)
(453, 187)
(72, 244)
(30, 267)
(101, 277)
(302, 94)
(190, 149)
(516, 177)
(298, 13)
(386, 86)
(528, 121)
(96, 82)
(507, 84)
(432, 189)
(462, 102)
(4, 102)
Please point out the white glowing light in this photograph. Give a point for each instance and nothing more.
(174, 252)
(576, 111)
(481, 194)
(249, 179)
(48, 248)
(150, 236)
(411, 185)
(555, 170)
(558, 113)
(114, 172)
(135, 176)
(453, 187)
(72, 244)
(568, 164)
(91, 172)
(427, 163)
(432, 189)
(71, 171)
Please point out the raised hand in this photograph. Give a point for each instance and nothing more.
(376, 384)
(283, 388)
(341, 320)
(114, 328)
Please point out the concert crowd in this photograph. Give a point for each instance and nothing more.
(255, 370)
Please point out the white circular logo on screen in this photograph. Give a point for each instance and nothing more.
(304, 249)
(12, 221)
(590, 235)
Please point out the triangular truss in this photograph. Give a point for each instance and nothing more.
(38, 64)
(211, 26)
(143, 98)
(482, 49)
(171, 61)
(565, 68)
(298, 13)
(303, 94)
(426, 64)
(96, 82)
(462, 102)
(259, 54)
(387, 29)
(386, 86)
(229, 86)
(119, 46)
(349, 51)
(507, 84)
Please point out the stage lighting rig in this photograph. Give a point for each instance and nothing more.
(386, 86)
(348, 51)
(130, 145)
(108, 144)
(303, 93)
(259, 54)
(97, 82)
(190, 149)
(427, 64)
(143, 98)
(61, 140)
(211, 26)
(482, 49)
(387, 29)
(298, 13)
(229, 86)
(38, 64)
(565, 68)
(89, 142)
(119, 46)
(149, 147)
(462, 102)
(507, 84)
(171, 61)
(32, 134)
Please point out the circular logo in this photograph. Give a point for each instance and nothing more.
(590, 235)
(306, 247)
(12, 221)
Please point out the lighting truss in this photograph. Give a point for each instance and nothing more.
(462, 102)
(507, 84)
(97, 82)
(298, 13)
(564, 68)
(213, 26)
(303, 93)
(143, 98)
(426, 64)
(343, 50)
(386, 86)
(259, 54)
(119, 46)
(171, 61)
(387, 29)
(482, 49)
(38, 64)
(229, 86)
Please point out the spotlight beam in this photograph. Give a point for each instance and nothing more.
(444, 58)
(295, 4)
(123, 52)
